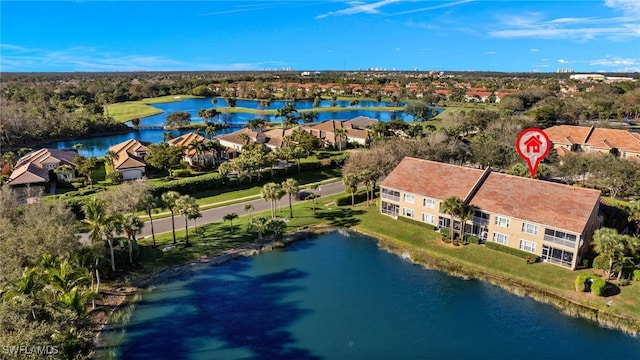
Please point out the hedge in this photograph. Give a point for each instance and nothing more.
(580, 283)
(190, 185)
(598, 285)
(636, 275)
(472, 239)
(512, 251)
(416, 222)
(359, 196)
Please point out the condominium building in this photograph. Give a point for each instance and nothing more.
(553, 221)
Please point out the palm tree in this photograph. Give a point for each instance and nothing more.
(313, 198)
(259, 225)
(340, 134)
(245, 138)
(272, 192)
(169, 201)
(608, 243)
(309, 116)
(202, 113)
(199, 147)
(465, 212)
(248, 208)
(99, 224)
(148, 203)
(210, 131)
(290, 187)
(634, 215)
(369, 177)
(451, 206)
(230, 217)
(131, 225)
(194, 215)
(110, 157)
(277, 226)
(350, 182)
(185, 205)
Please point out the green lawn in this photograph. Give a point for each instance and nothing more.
(129, 110)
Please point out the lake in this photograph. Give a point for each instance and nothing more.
(98, 146)
(339, 296)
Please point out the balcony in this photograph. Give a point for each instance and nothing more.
(560, 241)
(480, 221)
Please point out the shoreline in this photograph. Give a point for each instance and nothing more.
(129, 294)
(567, 306)
(124, 296)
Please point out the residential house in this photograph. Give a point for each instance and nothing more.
(553, 221)
(192, 155)
(326, 131)
(568, 138)
(129, 159)
(236, 140)
(39, 167)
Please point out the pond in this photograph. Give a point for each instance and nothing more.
(339, 296)
(99, 145)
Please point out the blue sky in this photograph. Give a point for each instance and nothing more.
(542, 36)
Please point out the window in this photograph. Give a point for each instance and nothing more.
(407, 212)
(430, 203)
(410, 198)
(502, 221)
(529, 228)
(428, 218)
(390, 209)
(500, 238)
(560, 237)
(390, 194)
(557, 256)
(527, 246)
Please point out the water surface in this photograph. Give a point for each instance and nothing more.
(340, 297)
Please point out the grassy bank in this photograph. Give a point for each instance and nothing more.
(130, 110)
(544, 282)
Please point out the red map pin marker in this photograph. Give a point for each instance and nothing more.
(533, 145)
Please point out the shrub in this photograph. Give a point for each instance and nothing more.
(359, 196)
(473, 239)
(512, 251)
(636, 275)
(581, 281)
(585, 263)
(601, 262)
(416, 222)
(182, 173)
(598, 285)
(190, 185)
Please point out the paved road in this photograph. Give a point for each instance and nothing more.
(216, 214)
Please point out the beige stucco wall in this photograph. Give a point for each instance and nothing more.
(514, 231)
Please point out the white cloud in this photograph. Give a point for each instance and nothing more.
(628, 7)
(17, 58)
(535, 25)
(441, 6)
(534, 50)
(358, 7)
(616, 62)
(563, 61)
(490, 52)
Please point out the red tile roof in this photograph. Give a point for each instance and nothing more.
(550, 204)
(556, 205)
(432, 179)
(599, 138)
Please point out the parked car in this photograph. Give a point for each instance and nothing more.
(302, 195)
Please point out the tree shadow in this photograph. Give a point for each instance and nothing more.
(341, 217)
(226, 309)
(611, 290)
